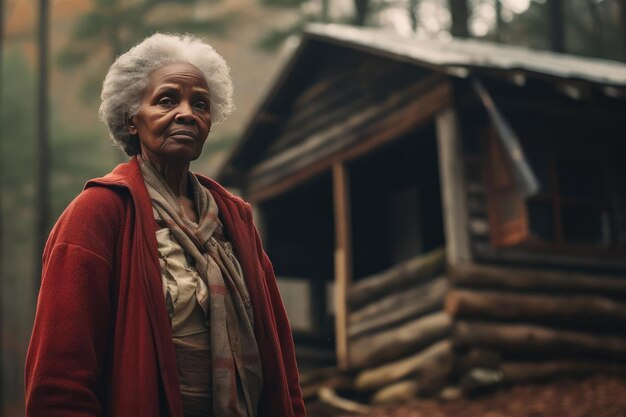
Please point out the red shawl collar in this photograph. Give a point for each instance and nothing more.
(138, 365)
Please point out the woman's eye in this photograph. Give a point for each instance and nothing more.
(201, 105)
(166, 101)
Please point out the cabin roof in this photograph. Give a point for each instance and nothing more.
(459, 55)
(458, 58)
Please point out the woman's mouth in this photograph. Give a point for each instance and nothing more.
(182, 135)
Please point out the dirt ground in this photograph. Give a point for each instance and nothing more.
(597, 396)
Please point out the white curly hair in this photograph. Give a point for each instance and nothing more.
(127, 78)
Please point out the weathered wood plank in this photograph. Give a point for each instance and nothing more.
(530, 339)
(352, 124)
(405, 274)
(311, 158)
(439, 355)
(329, 396)
(395, 393)
(337, 381)
(451, 171)
(543, 308)
(482, 276)
(398, 307)
(343, 260)
(399, 341)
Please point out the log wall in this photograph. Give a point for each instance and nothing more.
(554, 322)
(399, 343)
(532, 307)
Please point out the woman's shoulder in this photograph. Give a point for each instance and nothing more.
(219, 190)
(99, 200)
(94, 216)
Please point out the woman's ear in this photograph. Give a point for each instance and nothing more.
(130, 124)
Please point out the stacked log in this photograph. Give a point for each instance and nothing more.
(406, 274)
(539, 323)
(399, 343)
(312, 381)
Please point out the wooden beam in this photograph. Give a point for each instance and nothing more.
(346, 129)
(438, 354)
(537, 340)
(557, 309)
(399, 341)
(526, 279)
(396, 393)
(397, 307)
(453, 187)
(393, 126)
(343, 260)
(406, 274)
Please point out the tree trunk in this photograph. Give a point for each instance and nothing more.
(556, 26)
(414, 14)
(623, 27)
(499, 21)
(399, 341)
(2, 19)
(528, 339)
(361, 8)
(597, 28)
(113, 35)
(437, 356)
(43, 139)
(460, 16)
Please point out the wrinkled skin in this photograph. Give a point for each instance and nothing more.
(172, 122)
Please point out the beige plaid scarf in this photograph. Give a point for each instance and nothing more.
(236, 366)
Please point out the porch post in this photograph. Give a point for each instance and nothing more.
(343, 259)
(453, 191)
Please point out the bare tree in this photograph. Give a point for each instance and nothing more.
(597, 25)
(460, 16)
(413, 14)
(43, 137)
(361, 7)
(499, 21)
(2, 17)
(623, 27)
(556, 27)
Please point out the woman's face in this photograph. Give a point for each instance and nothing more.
(173, 119)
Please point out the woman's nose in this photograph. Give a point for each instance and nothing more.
(185, 114)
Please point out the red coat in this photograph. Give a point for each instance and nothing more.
(102, 343)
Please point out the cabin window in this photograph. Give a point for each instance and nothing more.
(580, 207)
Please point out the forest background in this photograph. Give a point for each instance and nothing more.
(51, 141)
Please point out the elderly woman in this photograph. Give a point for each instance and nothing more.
(157, 298)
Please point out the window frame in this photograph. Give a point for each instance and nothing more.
(526, 239)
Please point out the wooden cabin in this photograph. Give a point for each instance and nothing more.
(441, 211)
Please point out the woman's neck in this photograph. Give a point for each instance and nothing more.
(175, 174)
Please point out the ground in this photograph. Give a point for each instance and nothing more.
(596, 396)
